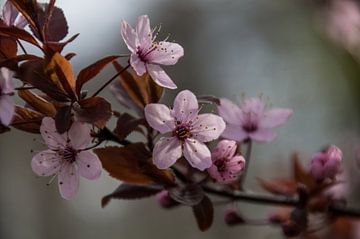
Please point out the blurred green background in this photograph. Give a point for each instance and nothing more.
(232, 47)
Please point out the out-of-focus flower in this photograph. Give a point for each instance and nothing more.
(165, 201)
(227, 166)
(326, 164)
(7, 107)
(147, 54)
(12, 17)
(66, 157)
(251, 120)
(232, 217)
(189, 130)
(343, 24)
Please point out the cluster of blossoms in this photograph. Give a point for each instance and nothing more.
(182, 144)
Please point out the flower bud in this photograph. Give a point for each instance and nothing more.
(232, 217)
(165, 201)
(326, 164)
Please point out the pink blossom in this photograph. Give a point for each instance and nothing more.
(251, 120)
(188, 131)
(226, 166)
(12, 17)
(147, 54)
(165, 201)
(326, 164)
(232, 217)
(66, 157)
(7, 107)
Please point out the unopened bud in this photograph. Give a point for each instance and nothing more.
(165, 201)
(232, 217)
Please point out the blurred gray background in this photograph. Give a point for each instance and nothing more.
(232, 47)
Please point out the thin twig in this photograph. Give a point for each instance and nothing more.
(109, 81)
(21, 46)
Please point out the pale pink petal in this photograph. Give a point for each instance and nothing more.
(129, 36)
(9, 13)
(235, 132)
(224, 149)
(185, 103)
(49, 134)
(166, 53)
(197, 154)
(144, 32)
(20, 22)
(237, 164)
(275, 117)
(263, 135)
(46, 163)
(253, 105)
(166, 152)
(79, 135)
(6, 81)
(160, 76)
(158, 116)
(137, 64)
(68, 180)
(208, 127)
(89, 165)
(7, 109)
(230, 112)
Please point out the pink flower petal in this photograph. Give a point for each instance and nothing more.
(166, 151)
(237, 163)
(68, 180)
(46, 163)
(89, 165)
(160, 76)
(230, 112)
(144, 32)
(208, 127)
(275, 117)
(224, 149)
(137, 64)
(49, 134)
(158, 116)
(197, 154)
(7, 109)
(184, 103)
(253, 105)
(6, 81)
(79, 135)
(263, 135)
(167, 53)
(129, 36)
(234, 132)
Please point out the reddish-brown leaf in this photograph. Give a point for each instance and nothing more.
(32, 72)
(19, 34)
(131, 164)
(129, 191)
(27, 120)
(60, 72)
(91, 71)
(94, 110)
(63, 119)
(50, 48)
(283, 187)
(204, 214)
(127, 124)
(29, 9)
(141, 90)
(301, 175)
(38, 103)
(53, 22)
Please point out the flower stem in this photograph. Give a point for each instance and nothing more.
(21, 46)
(111, 79)
(247, 158)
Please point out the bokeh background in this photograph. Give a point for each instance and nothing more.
(232, 48)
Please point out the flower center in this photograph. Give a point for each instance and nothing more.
(69, 154)
(143, 53)
(221, 165)
(250, 127)
(182, 131)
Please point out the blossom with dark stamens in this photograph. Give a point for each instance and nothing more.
(188, 131)
(147, 54)
(7, 107)
(251, 120)
(67, 156)
(227, 166)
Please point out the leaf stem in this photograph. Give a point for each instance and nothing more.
(21, 46)
(109, 81)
